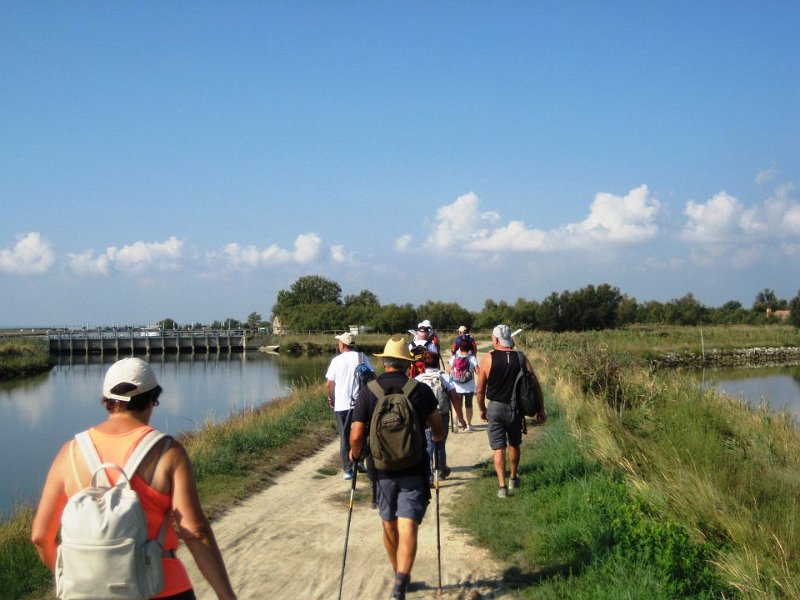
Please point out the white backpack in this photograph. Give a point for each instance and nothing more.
(104, 551)
(434, 381)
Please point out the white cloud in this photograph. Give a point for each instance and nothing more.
(715, 221)
(31, 254)
(460, 222)
(612, 220)
(619, 219)
(140, 255)
(767, 175)
(402, 243)
(88, 264)
(514, 236)
(338, 255)
(137, 258)
(306, 249)
(725, 219)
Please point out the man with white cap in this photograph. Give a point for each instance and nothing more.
(342, 388)
(497, 375)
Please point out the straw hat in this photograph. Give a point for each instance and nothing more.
(396, 348)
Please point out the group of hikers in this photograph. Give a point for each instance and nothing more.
(383, 420)
(392, 426)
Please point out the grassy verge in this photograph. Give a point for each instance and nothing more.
(20, 357)
(232, 460)
(643, 485)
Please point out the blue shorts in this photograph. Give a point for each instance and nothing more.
(505, 426)
(406, 497)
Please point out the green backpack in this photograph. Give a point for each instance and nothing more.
(395, 438)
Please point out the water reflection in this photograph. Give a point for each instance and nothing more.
(776, 387)
(38, 414)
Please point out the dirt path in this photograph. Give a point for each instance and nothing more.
(287, 542)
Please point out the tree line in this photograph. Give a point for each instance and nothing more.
(315, 303)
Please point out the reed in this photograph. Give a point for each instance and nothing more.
(642, 479)
(22, 356)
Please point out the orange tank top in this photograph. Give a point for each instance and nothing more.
(117, 449)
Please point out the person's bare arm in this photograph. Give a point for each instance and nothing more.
(47, 522)
(193, 526)
(480, 383)
(330, 387)
(436, 425)
(357, 430)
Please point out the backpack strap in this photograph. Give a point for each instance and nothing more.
(376, 389)
(147, 443)
(522, 359)
(409, 387)
(142, 448)
(91, 457)
(72, 464)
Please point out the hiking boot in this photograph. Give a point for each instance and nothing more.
(502, 493)
(348, 475)
(513, 483)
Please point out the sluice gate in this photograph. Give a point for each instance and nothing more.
(147, 342)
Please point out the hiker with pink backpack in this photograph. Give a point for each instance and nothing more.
(463, 368)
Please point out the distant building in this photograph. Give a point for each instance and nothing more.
(277, 327)
(780, 315)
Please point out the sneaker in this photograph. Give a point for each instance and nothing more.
(469, 428)
(446, 473)
(348, 475)
(513, 483)
(502, 493)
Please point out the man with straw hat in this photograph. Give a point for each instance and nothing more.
(402, 495)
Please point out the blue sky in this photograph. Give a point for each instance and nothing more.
(190, 159)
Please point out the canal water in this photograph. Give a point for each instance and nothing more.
(776, 387)
(38, 414)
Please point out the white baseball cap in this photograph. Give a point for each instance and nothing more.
(348, 338)
(136, 373)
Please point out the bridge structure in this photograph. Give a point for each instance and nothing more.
(146, 341)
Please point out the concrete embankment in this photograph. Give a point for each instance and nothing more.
(732, 358)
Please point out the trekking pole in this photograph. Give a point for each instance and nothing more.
(438, 538)
(347, 532)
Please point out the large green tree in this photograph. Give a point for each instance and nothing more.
(363, 298)
(294, 305)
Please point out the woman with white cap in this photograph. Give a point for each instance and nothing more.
(164, 483)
